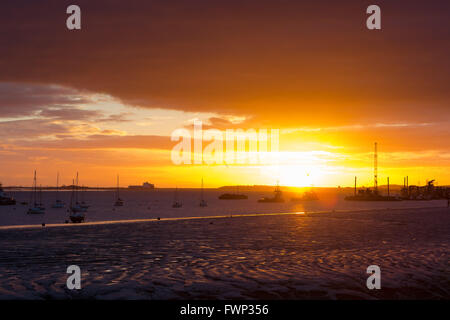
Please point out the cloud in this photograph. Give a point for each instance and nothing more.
(309, 67)
(279, 63)
(35, 128)
(359, 127)
(69, 114)
(55, 102)
(120, 117)
(19, 99)
(103, 140)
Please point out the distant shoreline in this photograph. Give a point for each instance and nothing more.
(242, 188)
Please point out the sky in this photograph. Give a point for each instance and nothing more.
(105, 100)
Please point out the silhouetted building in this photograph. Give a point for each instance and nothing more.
(144, 186)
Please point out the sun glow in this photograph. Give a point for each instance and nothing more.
(294, 175)
(298, 169)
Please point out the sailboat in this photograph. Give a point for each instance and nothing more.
(6, 199)
(80, 206)
(307, 196)
(176, 203)
(35, 207)
(203, 202)
(58, 203)
(119, 202)
(278, 196)
(77, 213)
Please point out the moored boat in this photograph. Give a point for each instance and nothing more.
(176, 203)
(6, 199)
(307, 196)
(233, 196)
(203, 202)
(369, 195)
(118, 202)
(277, 198)
(35, 206)
(77, 213)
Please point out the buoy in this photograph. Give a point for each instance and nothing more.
(43, 224)
(159, 218)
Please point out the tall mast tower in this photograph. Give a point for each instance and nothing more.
(375, 167)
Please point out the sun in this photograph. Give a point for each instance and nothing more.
(295, 169)
(294, 175)
(299, 176)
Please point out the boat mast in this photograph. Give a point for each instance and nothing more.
(34, 189)
(57, 185)
(375, 168)
(76, 189)
(388, 187)
(73, 194)
(202, 190)
(118, 187)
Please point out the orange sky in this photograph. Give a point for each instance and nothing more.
(105, 99)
